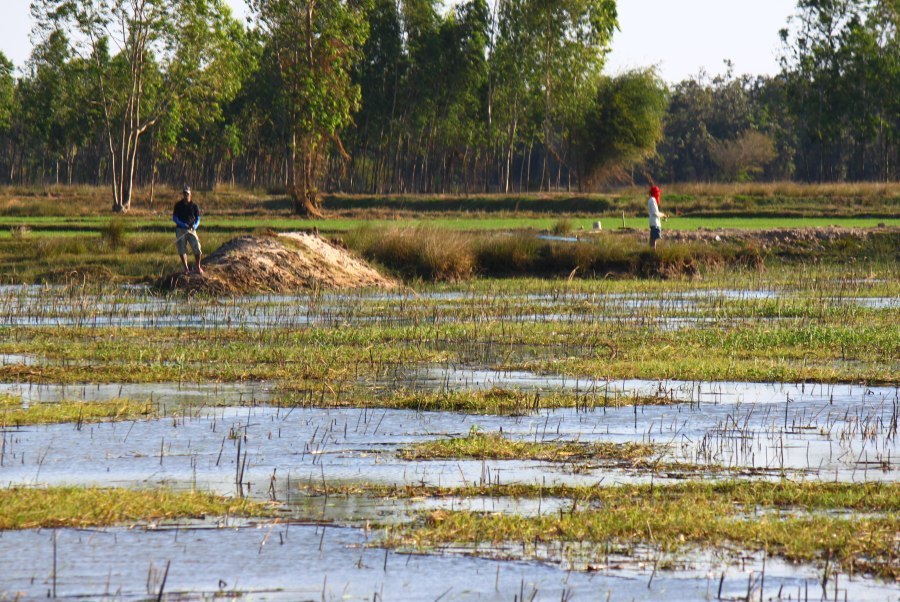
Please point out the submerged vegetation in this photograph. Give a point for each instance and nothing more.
(795, 520)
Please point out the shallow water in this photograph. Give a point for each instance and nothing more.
(135, 307)
(452, 377)
(828, 433)
(176, 394)
(18, 359)
(360, 509)
(805, 431)
(269, 561)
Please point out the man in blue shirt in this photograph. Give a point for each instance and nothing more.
(187, 219)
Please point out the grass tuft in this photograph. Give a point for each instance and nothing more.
(494, 446)
(14, 414)
(710, 514)
(27, 508)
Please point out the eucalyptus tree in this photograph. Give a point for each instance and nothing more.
(199, 127)
(315, 45)
(7, 93)
(145, 55)
(550, 55)
(56, 119)
(842, 63)
(447, 87)
(465, 38)
(379, 74)
(7, 110)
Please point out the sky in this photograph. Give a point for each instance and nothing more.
(680, 37)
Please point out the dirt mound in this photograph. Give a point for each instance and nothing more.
(281, 263)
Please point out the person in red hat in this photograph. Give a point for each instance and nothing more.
(656, 216)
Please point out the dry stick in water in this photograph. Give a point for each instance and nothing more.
(237, 468)
(55, 537)
(162, 586)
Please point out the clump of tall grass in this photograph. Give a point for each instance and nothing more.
(441, 255)
(30, 508)
(494, 446)
(155, 243)
(425, 253)
(52, 248)
(563, 226)
(113, 233)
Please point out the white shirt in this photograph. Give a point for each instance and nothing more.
(653, 210)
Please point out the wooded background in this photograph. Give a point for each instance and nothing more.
(399, 96)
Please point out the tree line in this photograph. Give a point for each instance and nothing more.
(401, 96)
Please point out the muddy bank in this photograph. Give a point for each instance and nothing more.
(278, 263)
(786, 239)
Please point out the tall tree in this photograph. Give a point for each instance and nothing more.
(379, 75)
(842, 55)
(160, 46)
(622, 126)
(7, 91)
(56, 111)
(7, 112)
(560, 47)
(315, 44)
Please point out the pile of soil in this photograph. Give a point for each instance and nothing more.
(279, 263)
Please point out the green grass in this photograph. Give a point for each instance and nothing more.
(496, 401)
(28, 508)
(698, 513)
(779, 352)
(52, 225)
(805, 333)
(14, 414)
(494, 446)
(779, 198)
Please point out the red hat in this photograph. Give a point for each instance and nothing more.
(655, 192)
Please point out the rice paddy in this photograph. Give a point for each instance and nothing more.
(730, 434)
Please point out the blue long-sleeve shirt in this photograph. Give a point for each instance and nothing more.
(186, 215)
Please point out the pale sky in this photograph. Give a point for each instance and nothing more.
(681, 37)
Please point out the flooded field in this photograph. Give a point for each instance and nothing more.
(830, 437)
(312, 405)
(312, 562)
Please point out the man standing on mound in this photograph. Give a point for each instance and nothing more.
(187, 218)
(655, 216)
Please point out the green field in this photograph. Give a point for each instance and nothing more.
(46, 226)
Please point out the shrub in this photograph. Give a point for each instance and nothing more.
(112, 234)
(562, 227)
(443, 255)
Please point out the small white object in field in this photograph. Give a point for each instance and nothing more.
(718, 237)
(598, 226)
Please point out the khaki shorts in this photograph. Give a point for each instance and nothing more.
(183, 238)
